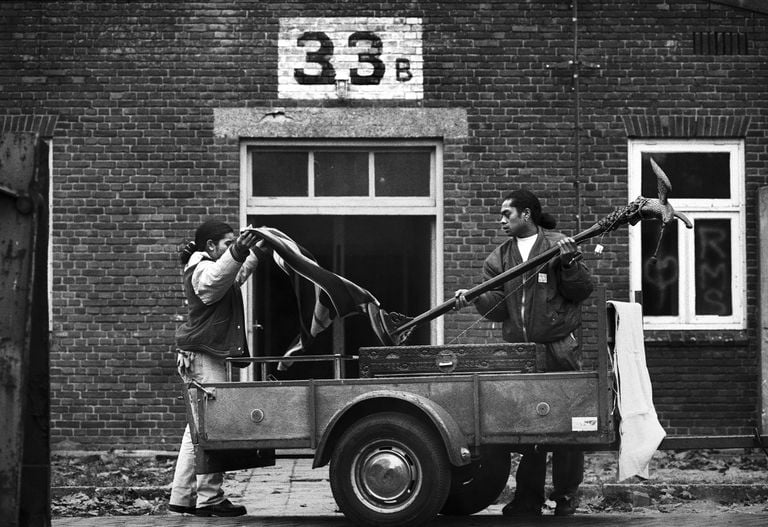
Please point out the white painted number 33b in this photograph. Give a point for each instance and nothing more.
(372, 58)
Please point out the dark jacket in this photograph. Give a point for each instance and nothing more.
(541, 306)
(216, 321)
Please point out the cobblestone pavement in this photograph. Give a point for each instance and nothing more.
(291, 494)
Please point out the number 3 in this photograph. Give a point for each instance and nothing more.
(371, 57)
(322, 56)
(324, 53)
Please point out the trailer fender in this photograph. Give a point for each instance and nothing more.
(456, 444)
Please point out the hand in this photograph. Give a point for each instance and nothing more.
(461, 299)
(246, 241)
(569, 251)
(184, 361)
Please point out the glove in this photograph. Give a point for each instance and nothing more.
(184, 362)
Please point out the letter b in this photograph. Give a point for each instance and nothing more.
(403, 70)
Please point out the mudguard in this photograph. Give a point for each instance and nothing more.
(455, 441)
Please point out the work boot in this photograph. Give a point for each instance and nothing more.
(520, 510)
(225, 508)
(181, 509)
(565, 507)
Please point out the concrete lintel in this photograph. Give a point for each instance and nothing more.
(330, 123)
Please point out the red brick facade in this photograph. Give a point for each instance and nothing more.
(136, 165)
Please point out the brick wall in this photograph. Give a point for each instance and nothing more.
(137, 166)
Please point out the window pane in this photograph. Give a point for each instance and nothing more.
(692, 174)
(402, 174)
(279, 173)
(713, 267)
(660, 280)
(341, 174)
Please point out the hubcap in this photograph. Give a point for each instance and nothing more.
(386, 475)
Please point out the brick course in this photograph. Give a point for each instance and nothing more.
(131, 88)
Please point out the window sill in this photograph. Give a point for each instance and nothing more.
(711, 338)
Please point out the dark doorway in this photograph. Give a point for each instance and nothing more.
(387, 255)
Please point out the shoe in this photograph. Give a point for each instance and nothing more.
(565, 508)
(518, 510)
(225, 508)
(181, 509)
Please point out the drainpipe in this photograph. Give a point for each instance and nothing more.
(576, 114)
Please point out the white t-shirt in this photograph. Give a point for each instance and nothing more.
(525, 245)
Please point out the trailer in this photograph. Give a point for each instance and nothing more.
(404, 447)
(426, 431)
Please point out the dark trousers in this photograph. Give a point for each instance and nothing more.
(567, 475)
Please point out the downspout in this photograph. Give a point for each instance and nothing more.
(577, 114)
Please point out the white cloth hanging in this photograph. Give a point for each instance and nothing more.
(640, 431)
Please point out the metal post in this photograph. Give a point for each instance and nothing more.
(763, 303)
(24, 449)
(577, 114)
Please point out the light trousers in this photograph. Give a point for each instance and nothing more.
(186, 484)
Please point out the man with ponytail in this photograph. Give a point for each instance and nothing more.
(541, 306)
(216, 264)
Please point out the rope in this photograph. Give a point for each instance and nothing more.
(503, 299)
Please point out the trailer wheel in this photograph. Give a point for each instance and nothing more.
(477, 485)
(390, 469)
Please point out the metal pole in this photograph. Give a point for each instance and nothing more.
(577, 114)
(763, 303)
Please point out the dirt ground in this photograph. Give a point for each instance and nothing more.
(119, 484)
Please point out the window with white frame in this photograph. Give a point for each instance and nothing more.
(344, 176)
(698, 279)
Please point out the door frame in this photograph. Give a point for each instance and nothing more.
(372, 207)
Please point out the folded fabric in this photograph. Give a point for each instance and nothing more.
(640, 431)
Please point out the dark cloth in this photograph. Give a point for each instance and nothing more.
(216, 329)
(322, 296)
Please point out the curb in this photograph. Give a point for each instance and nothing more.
(644, 494)
(140, 492)
(638, 494)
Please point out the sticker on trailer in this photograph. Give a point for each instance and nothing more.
(350, 58)
(584, 424)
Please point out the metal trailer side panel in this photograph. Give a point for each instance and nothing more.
(509, 408)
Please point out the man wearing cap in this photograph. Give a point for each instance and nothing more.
(216, 264)
(542, 306)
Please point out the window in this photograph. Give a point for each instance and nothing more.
(344, 176)
(698, 280)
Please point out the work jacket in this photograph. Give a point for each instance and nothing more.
(216, 321)
(543, 305)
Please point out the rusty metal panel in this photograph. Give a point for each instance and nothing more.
(512, 408)
(562, 403)
(259, 412)
(17, 242)
(456, 358)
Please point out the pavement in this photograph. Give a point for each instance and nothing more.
(291, 493)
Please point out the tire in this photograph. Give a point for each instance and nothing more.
(476, 486)
(390, 469)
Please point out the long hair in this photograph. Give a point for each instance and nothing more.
(213, 230)
(522, 199)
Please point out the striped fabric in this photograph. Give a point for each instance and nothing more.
(322, 296)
